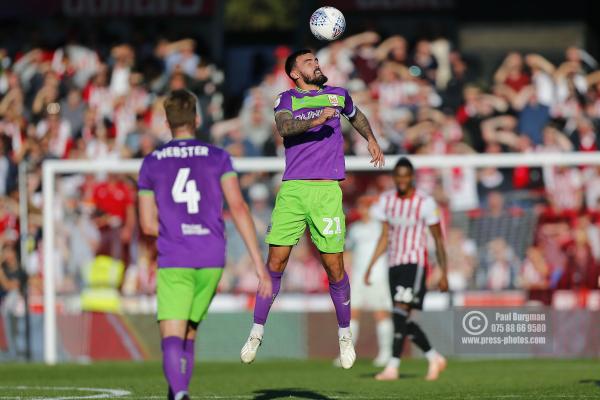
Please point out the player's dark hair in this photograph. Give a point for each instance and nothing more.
(404, 162)
(180, 109)
(290, 62)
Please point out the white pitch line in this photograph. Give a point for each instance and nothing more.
(102, 393)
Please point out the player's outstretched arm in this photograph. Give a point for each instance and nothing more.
(245, 226)
(440, 254)
(288, 126)
(379, 250)
(148, 215)
(360, 122)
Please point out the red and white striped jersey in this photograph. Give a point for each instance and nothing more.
(408, 220)
(563, 186)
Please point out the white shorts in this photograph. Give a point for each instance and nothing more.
(375, 297)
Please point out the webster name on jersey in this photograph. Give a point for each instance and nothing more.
(181, 152)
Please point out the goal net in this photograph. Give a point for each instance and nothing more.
(96, 265)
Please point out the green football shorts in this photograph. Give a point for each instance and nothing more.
(317, 204)
(186, 293)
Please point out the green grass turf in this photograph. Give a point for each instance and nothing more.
(497, 379)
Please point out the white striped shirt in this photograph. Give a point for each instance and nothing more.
(408, 220)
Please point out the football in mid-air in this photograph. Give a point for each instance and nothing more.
(327, 23)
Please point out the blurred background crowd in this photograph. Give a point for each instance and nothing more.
(520, 228)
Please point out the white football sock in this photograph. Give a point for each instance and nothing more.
(354, 328)
(257, 330)
(431, 355)
(393, 363)
(180, 395)
(385, 336)
(343, 332)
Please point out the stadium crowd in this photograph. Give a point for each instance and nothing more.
(507, 228)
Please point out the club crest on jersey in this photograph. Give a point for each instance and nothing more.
(333, 100)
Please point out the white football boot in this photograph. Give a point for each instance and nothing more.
(248, 353)
(347, 353)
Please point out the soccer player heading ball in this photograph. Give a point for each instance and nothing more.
(308, 119)
(406, 214)
(181, 186)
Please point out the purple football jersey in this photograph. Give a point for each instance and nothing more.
(319, 152)
(184, 176)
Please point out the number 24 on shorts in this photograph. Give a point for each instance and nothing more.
(403, 295)
(328, 228)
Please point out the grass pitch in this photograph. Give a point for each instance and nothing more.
(316, 380)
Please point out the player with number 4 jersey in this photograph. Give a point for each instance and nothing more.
(308, 118)
(181, 188)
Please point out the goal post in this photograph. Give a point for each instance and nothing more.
(53, 168)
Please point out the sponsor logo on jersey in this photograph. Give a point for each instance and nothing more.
(194, 229)
(312, 114)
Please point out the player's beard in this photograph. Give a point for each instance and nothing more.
(318, 80)
(402, 192)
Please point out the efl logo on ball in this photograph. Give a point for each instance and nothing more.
(327, 23)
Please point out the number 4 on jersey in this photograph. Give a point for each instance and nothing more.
(184, 191)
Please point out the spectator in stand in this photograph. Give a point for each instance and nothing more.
(564, 187)
(424, 61)
(585, 137)
(179, 56)
(533, 115)
(534, 276)
(500, 266)
(56, 130)
(554, 140)
(83, 238)
(114, 201)
(592, 231)
(592, 189)
(535, 272)
(122, 60)
(460, 76)
(462, 260)
(98, 96)
(8, 171)
(581, 270)
(11, 301)
(73, 111)
(48, 94)
(512, 73)
(395, 49)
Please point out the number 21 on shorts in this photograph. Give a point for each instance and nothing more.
(184, 191)
(328, 230)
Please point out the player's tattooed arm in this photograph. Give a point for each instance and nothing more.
(288, 126)
(360, 122)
